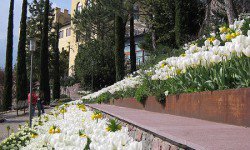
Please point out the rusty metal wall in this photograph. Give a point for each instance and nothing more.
(227, 106)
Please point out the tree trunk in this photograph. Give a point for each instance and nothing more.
(132, 44)
(56, 75)
(177, 27)
(153, 36)
(44, 59)
(7, 95)
(207, 18)
(21, 75)
(231, 15)
(119, 47)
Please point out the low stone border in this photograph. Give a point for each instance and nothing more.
(149, 139)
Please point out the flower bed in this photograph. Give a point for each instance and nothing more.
(218, 61)
(75, 127)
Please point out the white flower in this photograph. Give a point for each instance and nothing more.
(216, 42)
(166, 93)
(213, 34)
(223, 37)
(247, 51)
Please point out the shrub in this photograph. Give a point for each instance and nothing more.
(105, 97)
(141, 94)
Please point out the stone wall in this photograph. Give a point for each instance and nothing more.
(150, 140)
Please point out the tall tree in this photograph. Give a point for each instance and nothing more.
(132, 42)
(56, 66)
(120, 29)
(177, 25)
(7, 99)
(34, 29)
(44, 57)
(21, 82)
(231, 14)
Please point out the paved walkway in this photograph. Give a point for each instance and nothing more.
(195, 133)
(13, 121)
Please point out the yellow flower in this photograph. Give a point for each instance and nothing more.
(96, 116)
(233, 35)
(83, 135)
(228, 36)
(162, 65)
(211, 39)
(223, 29)
(54, 129)
(178, 71)
(57, 130)
(33, 135)
(183, 55)
(108, 129)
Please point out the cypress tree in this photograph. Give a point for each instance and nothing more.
(132, 43)
(44, 57)
(56, 64)
(119, 47)
(177, 22)
(21, 82)
(7, 95)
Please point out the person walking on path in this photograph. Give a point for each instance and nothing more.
(34, 101)
(40, 106)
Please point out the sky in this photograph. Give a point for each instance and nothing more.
(4, 12)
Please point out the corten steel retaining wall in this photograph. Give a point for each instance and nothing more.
(227, 106)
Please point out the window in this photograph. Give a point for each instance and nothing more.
(68, 32)
(79, 7)
(136, 12)
(61, 34)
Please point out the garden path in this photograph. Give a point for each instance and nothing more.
(194, 133)
(14, 121)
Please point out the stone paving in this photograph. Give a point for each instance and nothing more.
(194, 133)
(14, 121)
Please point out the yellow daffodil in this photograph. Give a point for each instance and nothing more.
(54, 129)
(96, 116)
(183, 55)
(228, 36)
(211, 39)
(223, 29)
(34, 135)
(162, 65)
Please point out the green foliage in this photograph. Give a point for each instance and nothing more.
(7, 95)
(245, 27)
(69, 81)
(64, 64)
(113, 126)
(105, 97)
(234, 73)
(44, 57)
(56, 70)
(22, 138)
(94, 65)
(162, 19)
(141, 93)
(21, 74)
(35, 25)
(88, 144)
